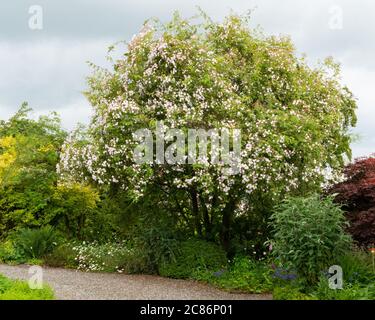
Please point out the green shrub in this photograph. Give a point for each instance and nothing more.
(349, 291)
(35, 243)
(155, 239)
(192, 256)
(8, 253)
(308, 235)
(72, 207)
(108, 257)
(243, 275)
(62, 256)
(20, 290)
(357, 267)
(28, 177)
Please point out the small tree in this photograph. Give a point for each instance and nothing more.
(357, 194)
(29, 153)
(71, 207)
(294, 122)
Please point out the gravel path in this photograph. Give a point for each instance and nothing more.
(77, 285)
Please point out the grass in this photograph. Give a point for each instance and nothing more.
(20, 290)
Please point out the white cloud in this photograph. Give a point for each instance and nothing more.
(48, 68)
(48, 74)
(362, 83)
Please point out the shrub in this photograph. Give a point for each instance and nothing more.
(29, 152)
(349, 291)
(308, 235)
(35, 243)
(72, 206)
(156, 242)
(357, 267)
(108, 257)
(192, 256)
(62, 256)
(20, 290)
(357, 194)
(8, 253)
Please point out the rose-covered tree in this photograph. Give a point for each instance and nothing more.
(357, 194)
(294, 122)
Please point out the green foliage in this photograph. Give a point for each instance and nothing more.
(63, 256)
(290, 293)
(309, 235)
(358, 282)
(31, 194)
(35, 262)
(20, 290)
(357, 267)
(156, 241)
(295, 122)
(71, 208)
(108, 257)
(103, 223)
(192, 256)
(242, 275)
(349, 291)
(29, 153)
(35, 243)
(8, 253)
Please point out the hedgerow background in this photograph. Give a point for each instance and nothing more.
(77, 199)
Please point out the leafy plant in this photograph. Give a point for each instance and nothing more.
(8, 253)
(290, 293)
(62, 256)
(357, 267)
(157, 243)
(243, 274)
(349, 291)
(29, 153)
(35, 243)
(308, 235)
(72, 205)
(192, 256)
(108, 257)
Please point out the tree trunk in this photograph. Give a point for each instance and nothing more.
(225, 234)
(194, 201)
(206, 219)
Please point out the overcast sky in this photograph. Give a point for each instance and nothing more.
(48, 67)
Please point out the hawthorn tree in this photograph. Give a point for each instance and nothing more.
(294, 123)
(357, 194)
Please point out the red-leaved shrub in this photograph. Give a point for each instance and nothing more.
(357, 194)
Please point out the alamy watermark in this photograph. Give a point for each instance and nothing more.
(36, 277)
(36, 18)
(335, 281)
(336, 19)
(189, 146)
